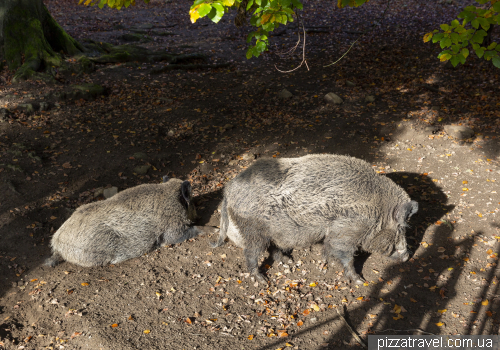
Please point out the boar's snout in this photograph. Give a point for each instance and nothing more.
(400, 254)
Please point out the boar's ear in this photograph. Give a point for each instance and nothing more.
(186, 191)
(405, 211)
(165, 178)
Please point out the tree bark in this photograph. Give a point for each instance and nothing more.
(30, 39)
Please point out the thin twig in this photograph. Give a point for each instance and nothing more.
(354, 334)
(363, 33)
(303, 51)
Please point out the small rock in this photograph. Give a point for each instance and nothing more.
(98, 191)
(431, 129)
(110, 192)
(44, 106)
(248, 156)
(313, 319)
(233, 162)
(170, 133)
(27, 107)
(167, 100)
(333, 98)
(350, 83)
(369, 98)
(142, 169)
(4, 113)
(140, 155)
(284, 94)
(459, 132)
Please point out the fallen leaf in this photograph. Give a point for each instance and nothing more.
(114, 325)
(147, 331)
(85, 284)
(250, 337)
(439, 324)
(300, 323)
(485, 302)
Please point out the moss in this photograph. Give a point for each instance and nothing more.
(34, 37)
(86, 65)
(24, 36)
(23, 73)
(58, 38)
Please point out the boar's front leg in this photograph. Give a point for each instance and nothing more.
(342, 248)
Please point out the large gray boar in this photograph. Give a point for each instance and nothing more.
(127, 225)
(289, 203)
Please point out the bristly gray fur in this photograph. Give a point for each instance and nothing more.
(127, 225)
(295, 202)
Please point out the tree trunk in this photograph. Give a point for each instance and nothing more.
(30, 39)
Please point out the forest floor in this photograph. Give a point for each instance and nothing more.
(207, 125)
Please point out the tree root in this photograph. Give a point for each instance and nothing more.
(188, 66)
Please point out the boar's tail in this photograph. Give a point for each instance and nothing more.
(224, 221)
(55, 259)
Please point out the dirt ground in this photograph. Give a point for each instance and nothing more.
(207, 125)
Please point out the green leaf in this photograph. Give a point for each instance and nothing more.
(455, 48)
(461, 58)
(197, 2)
(204, 9)
(465, 52)
(475, 23)
(102, 3)
(258, 2)
(297, 4)
(111, 3)
(455, 23)
(444, 27)
(286, 3)
(489, 54)
(220, 12)
(261, 46)
(437, 37)
(455, 38)
(249, 5)
(492, 46)
(445, 42)
(484, 23)
(478, 38)
(454, 61)
(250, 52)
(496, 59)
(480, 52)
(496, 7)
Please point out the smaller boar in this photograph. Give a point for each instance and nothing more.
(127, 225)
(288, 203)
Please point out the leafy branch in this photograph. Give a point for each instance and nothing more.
(456, 37)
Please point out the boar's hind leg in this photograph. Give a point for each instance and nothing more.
(280, 255)
(191, 232)
(252, 255)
